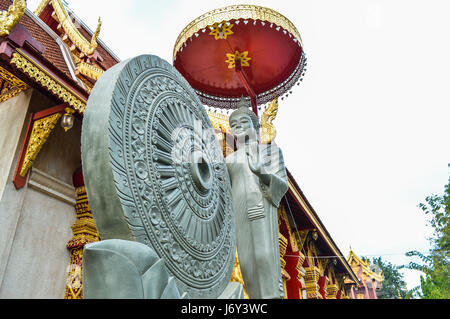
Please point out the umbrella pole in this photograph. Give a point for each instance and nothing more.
(248, 88)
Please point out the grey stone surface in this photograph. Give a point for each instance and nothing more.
(234, 290)
(121, 269)
(35, 223)
(52, 186)
(38, 259)
(12, 117)
(155, 173)
(259, 182)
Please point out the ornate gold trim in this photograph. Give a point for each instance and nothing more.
(84, 232)
(299, 267)
(332, 291)
(283, 243)
(46, 80)
(312, 286)
(10, 85)
(39, 135)
(9, 18)
(219, 121)
(355, 262)
(41, 7)
(8, 91)
(72, 32)
(234, 12)
(89, 70)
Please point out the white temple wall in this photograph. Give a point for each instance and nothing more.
(38, 258)
(12, 119)
(35, 221)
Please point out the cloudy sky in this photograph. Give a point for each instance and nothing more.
(366, 134)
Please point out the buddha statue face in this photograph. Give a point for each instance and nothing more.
(242, 128)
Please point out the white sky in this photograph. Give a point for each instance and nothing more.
(366, 133)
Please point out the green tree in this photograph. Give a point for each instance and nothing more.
(435, 283)
(393, 285)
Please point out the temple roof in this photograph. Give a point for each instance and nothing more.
(89, 56)
(306, 218)
(363, 268)
(53, 51)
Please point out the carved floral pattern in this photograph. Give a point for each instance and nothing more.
(39, 135)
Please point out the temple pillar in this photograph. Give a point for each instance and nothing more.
(366, 291)
(323, 284)
(292, 270)
(332, 291)
(84, 232)
(312, 282)
(374, 289)
(352, 292)
(312, 269)
(334, 284)
(301, 275)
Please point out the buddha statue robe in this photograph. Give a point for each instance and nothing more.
(255, 206)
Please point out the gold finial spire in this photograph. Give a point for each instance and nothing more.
(94, 44)
(9, 18)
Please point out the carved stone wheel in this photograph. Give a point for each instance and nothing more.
(155, 172)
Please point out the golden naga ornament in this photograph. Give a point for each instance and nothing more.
(9, 18)
(268, 130)
(94, 44)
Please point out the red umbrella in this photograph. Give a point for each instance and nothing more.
(240, 50)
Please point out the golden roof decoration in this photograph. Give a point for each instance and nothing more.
(356, 262)
(89, 70)
(85, 46)
(41, 7)
(219, 121)
(41, 76)
(9, 18)
(10, 85)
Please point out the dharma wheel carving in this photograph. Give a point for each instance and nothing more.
(155, 172)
